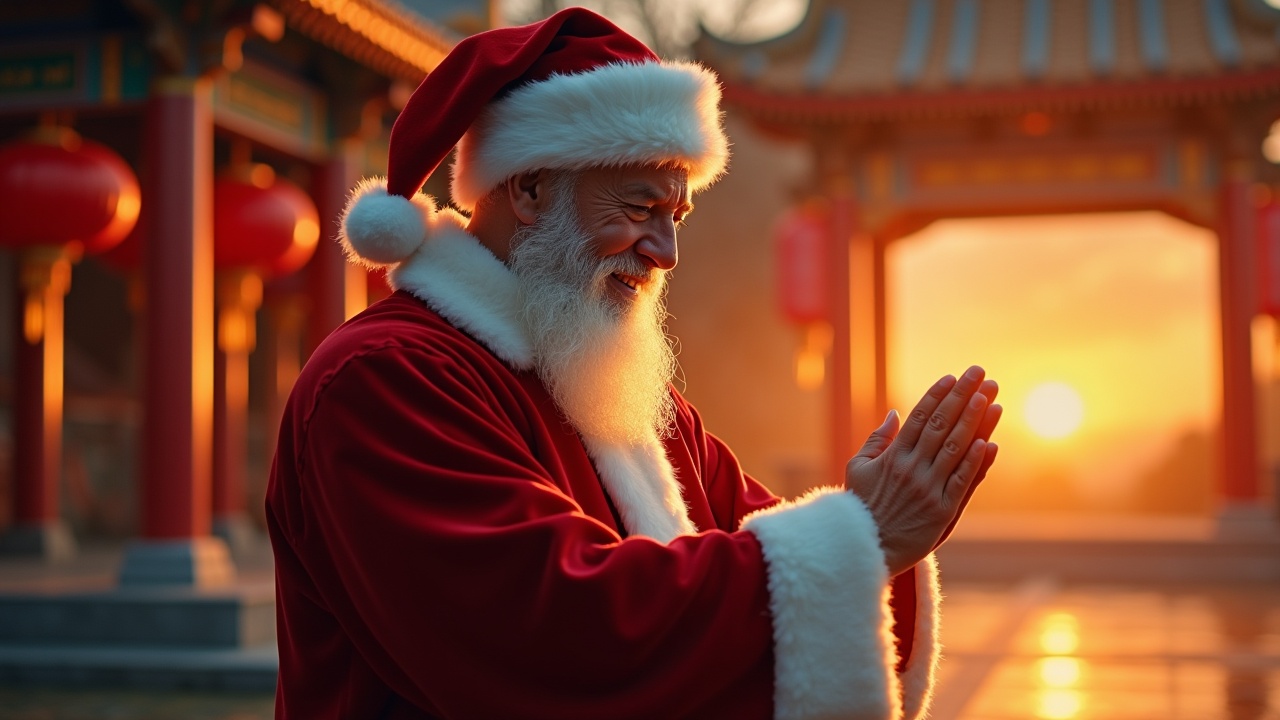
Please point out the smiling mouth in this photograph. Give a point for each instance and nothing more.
(631, 282)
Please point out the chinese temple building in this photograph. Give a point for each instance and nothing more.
(922, 110)
(223, 138)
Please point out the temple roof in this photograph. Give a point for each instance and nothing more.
(384, 35)
(886, 58)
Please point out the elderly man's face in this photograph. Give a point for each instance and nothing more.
(633, 212)
(593, 270)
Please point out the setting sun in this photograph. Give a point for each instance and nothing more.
(1054, 410)
(1129, 311)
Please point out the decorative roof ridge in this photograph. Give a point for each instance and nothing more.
(380, 34)
(956, 102)
(1258, 11)
(845, 45)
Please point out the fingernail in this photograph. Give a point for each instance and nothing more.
(977, 401)
(892, 414)
(973, 373)
(947, 381)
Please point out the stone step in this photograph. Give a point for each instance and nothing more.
(140, 617)
(244, 669)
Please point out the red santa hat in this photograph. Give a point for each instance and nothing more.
(571, 91)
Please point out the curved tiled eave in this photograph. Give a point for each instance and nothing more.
(821, 109)
(375, 34)
(870, 58)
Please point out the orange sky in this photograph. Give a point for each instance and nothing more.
(1122, 307)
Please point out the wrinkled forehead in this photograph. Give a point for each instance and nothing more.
(667, 182)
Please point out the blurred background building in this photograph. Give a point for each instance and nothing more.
(1112, 153)
(1126, 340)
(172, 175)
(1076, 195)
(241, 127)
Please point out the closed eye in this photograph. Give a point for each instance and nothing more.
(639, 212)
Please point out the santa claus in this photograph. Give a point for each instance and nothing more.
(489, 502)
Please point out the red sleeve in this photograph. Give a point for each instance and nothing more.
(732, 495)
(474, 587)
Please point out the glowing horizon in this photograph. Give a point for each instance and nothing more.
(1122, 308)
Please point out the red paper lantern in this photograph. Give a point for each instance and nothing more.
(801, 242)
(1268, 235)
(262, 222)
(126, 255)
(57, 188)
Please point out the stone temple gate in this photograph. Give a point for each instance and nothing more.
(928, 109)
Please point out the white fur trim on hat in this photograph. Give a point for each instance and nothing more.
(611, 115)
(380, 229)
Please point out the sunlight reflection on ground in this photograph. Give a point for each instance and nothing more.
(1196, 652)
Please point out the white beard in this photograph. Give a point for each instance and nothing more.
(607, 366)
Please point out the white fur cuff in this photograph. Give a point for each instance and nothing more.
(834, 650)
(926, 650)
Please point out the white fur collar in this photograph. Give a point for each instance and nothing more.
(460, 279)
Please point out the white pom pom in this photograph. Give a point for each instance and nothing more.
(380, 229)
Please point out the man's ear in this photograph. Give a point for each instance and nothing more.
(527, 193)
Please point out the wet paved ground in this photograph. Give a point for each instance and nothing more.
(1037, 650)
(1032, 649)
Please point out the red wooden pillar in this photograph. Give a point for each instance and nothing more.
(840, 444)
(286, 315)
(44, 276)
(857, 386)
(175, 546)
(239, 295)
(1240, 470)
(337, 289)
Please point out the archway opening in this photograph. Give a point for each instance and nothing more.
(1103, 331)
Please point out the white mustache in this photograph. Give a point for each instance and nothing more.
(630, 267)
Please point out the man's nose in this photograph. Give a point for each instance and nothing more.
(658, 247)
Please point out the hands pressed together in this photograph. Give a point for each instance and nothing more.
(917, 480)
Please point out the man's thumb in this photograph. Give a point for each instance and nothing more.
(880, 437)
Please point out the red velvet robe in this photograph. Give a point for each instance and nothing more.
(445, 548)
